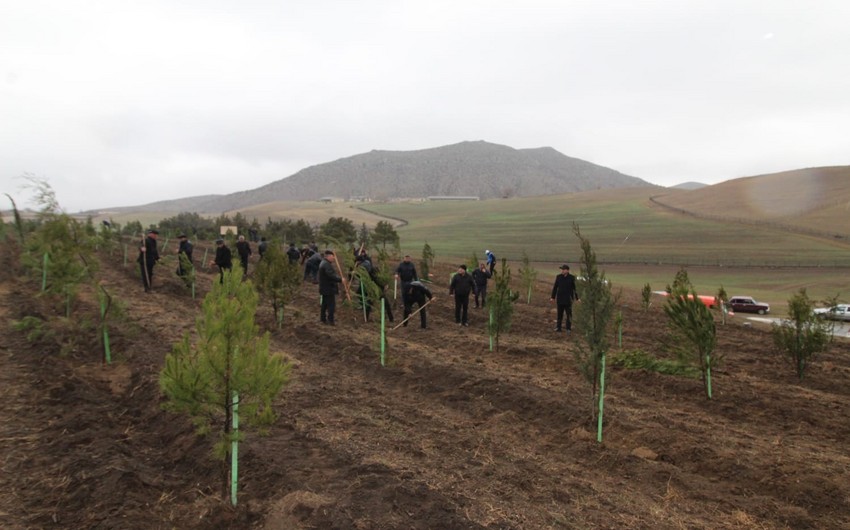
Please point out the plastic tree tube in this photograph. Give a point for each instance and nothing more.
(601, 400)
(234, 451)
(490, 328)
(125, 254)
(204, 261)
(106, 352)
(363, 300)
(44, 273)
(383, 332)
(708, 374)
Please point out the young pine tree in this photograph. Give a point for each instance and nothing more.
(646, 297)
(277, 279)
(501, 301)
(803, 335)
(593, 318)
(427, 262)
(694, 333)
(527, 276)
(229, 362)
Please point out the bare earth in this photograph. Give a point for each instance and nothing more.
(448, 435)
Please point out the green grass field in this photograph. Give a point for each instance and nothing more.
(635, 243)
(622, 226)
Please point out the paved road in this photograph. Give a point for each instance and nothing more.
(842, 329)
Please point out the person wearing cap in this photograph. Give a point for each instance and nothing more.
(243, 248)
(185, 249)
(328, 287)
(460, 286)
(293, 254)
(491, 261)
(416, 293)
(311, 265)
(564, 292)
(148, 256)
(223, 259)
(406, 273)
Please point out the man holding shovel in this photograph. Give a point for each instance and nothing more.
(416, 293)
(148, 256)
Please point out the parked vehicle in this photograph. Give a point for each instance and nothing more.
(838, 312)
(747, 304)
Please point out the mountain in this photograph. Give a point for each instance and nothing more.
(689, 186)
(478, 169)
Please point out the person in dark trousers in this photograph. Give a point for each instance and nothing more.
(184, 249)
(461, 286)
(311, 266)
(223, 259)
(491, 261)
(262, 247)
(243, 248)
(328, 287)
(148, 256)
(405, 273)
(480, 277)
(416, 293)
(564, 292)
(364, 262)
(293, 254)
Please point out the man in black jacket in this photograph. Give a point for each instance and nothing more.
(185, 249)
(293, 254)
(406, 273)
(460, 286)
(480, 277)
(223, 258)
(564, 292)
(416, 293)
(328, 287)
(148, 256)
(244, 250)
(311, 265)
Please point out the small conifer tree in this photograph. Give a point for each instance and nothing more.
(277, 279)
(720, 300)
(501, 301)
(593, 318)
(646, 297)
(527, 276)
(802, 335)
(230, 361)
(693, 328)
(472, 264)
(427, 262)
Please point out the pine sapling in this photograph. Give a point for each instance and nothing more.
(229, 361)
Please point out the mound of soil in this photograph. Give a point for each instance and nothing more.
(447, 435)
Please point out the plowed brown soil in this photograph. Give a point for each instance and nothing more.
(447, 435)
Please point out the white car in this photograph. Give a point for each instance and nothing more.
(838, 312)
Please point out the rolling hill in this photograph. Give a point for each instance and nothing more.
(813, 200)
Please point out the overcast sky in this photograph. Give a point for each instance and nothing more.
(123, 103)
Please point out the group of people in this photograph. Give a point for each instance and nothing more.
(324, 270)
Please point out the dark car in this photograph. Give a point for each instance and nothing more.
(747, 304)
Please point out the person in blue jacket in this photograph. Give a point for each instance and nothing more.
(491, 261)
